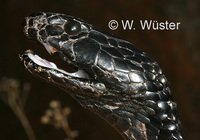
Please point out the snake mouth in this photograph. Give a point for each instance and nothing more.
(34, 28)
(35, 63)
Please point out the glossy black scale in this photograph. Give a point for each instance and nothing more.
(30, 22)
(125, 52)
(54, 30)
(120, 65)
(43, 35)
(142, 57)
(136, 77)
(98, 37)
(104, 57)
(150, 86)
(112, 42)
(56, 20)
(112, 51)
(129, 46)
(81, 48)
(33, 33)
(54, 42)
(122, 125)
(124, 77)
(134, 59)
(152, 96)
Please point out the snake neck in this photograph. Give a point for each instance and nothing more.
(139, 118)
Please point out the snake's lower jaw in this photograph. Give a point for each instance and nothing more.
(36, 63)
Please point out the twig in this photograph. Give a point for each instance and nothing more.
(19, 111)
(57, 116)
(10, 93)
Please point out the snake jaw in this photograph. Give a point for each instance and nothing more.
(37, 60)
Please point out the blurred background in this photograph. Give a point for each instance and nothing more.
(177, 53)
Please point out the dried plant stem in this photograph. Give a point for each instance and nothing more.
(11, 94)
(58, 117)
(67, 129)
(19, 111)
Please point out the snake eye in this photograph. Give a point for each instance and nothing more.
(72, 27)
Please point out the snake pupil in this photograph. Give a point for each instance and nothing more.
(72, 27)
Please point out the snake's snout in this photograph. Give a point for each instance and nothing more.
(33, 24)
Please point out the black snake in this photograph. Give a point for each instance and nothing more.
(114, 79)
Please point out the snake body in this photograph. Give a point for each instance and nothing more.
(114, 79)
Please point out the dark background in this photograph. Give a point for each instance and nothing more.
(177, 53)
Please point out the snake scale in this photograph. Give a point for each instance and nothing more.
(113, 78)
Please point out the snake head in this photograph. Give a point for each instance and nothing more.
(50, 29)
(115, 79)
